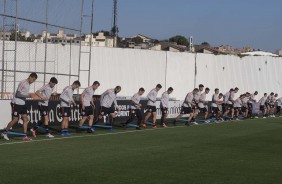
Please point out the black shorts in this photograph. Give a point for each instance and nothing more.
(18, 109)
(250, 106)
(215, 110)
(262, 107)
(203, 110)
(244, 109)
(194, 107)
(65, 111)
(88, 110)
(43, 110)
(151, 109)
(186, 110)
(229, 106)
(238, 109)
(105, 110)
(164, 110)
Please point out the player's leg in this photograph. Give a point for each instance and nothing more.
(25, 123)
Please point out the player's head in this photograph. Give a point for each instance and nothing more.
(169, 90)
(158, 87)
(220, 95)
(53, 81)
(117, 89)
(243, 96)
(236, 90)
(201, 87)
(276, 95)
(216, 90)
(256, 93)
(265, 94)
(271, 94)
(75, 84)
(32, 78)
(247, 94)
(231, 90)
(141, 91)
(196, 90)
(207, 90)
(95, 85)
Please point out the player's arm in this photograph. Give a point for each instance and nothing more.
(82, 100)
(38, 93)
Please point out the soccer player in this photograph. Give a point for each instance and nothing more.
(197, 96)
(186, 107)
(231, 101)
(151, 105)
(245, 107)
(19, 106)
(164, 105)
(226, 108)
(238, 106)
(262, 103)
(87, 105)
(279, 105)
(106, 101)
(45, 93)
(216, 102)
(66, 100)
(252, 100)
(135, 108)
(202, 104)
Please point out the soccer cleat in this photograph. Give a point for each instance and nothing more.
(163, 125)
(26, 138)
(143, 125)
(263, 117)
(138, 128)
(154, 126)
(50, 135)
(174, 122)
(194, 123)
(90, 130)
(207, 121)
(33, 133)
(5, 136)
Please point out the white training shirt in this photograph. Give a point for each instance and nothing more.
(45, 91)
(238, 102)
(88, 95)
(164, 100)
(279, 102)
(152, 97)
(108, 97)
(188, 100)
(262, 100)
(21, 93)
(226, 97)
(135, 99)
(214, 100)
(66, 97)
(197, 96)
(202, 99)
(231, 97)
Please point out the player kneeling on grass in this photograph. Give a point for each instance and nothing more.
(66, 100)
(186, 107)
(164, 105)
(19, 105)
(151, 105)
(44, 93)
(135, 108)
(106, 101)
(87, 105)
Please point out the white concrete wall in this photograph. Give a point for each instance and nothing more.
(133, 68)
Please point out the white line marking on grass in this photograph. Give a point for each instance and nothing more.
(82, 136)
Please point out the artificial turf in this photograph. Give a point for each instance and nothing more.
(237, 152)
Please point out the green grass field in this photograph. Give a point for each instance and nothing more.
(234, 152)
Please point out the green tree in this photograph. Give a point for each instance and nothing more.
(205, 44)
(180, 40)
(19, 36)
(137, 40)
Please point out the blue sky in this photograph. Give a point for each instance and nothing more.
(255, 23)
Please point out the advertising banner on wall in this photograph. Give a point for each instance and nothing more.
(55, 117)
